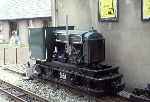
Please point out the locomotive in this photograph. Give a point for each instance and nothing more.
(74, 58)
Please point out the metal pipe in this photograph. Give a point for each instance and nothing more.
(67, 24)
(67, 37)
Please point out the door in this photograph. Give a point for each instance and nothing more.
(37, 43)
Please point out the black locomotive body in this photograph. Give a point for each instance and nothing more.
(79, 47)
(74, 59)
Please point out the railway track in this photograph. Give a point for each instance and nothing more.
(18, 94)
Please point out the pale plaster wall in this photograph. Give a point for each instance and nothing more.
(127, 41)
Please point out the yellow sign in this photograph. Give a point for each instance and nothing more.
(146, 8)
(108, 8)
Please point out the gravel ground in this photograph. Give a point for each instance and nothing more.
(50, 91)
(4, 98)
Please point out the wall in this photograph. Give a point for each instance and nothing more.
(127, 41)
(23, 31)
(4, 34)
(76, 11)
(22, 53)
(37, 23)
(23, 28)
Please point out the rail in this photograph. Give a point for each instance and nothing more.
(18, 94)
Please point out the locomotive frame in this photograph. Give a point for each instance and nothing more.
(91, 77)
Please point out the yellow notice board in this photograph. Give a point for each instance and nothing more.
(108, 9)
(146, 9)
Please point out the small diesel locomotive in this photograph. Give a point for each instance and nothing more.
(74, 58)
